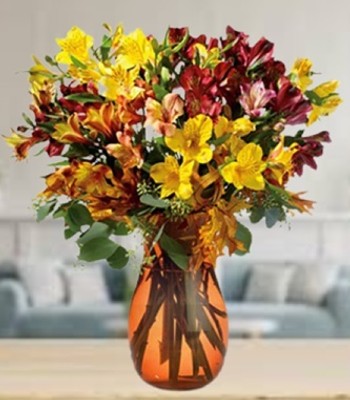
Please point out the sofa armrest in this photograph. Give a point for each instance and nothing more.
(13, 302)
(338, 303)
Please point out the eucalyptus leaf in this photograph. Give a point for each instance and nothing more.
(244, 235)
(174, 250)
(77, 216)
(119, 258)
(272, 216)
(97, 249)
(43, 211)
(97, 229)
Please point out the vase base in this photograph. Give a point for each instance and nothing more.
(182, 384)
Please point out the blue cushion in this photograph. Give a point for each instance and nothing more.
(234, 279)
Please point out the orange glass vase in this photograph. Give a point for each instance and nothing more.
(178, 328)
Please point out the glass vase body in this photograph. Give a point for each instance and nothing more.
(178, 328)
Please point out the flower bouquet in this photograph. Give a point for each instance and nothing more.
(175, 138)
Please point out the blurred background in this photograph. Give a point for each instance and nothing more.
(296, 280)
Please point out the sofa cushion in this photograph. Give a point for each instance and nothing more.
(43, 282)
(234, 278)
(268, 283)
(85, 285)
(116, 282)
(89, 321)
(311, 283)
(293, 320)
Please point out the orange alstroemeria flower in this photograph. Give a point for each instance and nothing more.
(96, 180)
(69, 132)
(162, 116)
(125, 152)
(21, 144)
(61, 182)
(105, 120)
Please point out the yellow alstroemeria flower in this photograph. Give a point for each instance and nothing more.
(330, 100)
(135, 50)
(191, 141)
(77, 44)
(174, 178)
(301, 72)
(88, 74)
(240, 126)
(104, 120)
(39, 76)
(207, 58)
(247, 170)
(119, 81)
(280, 160)
(69, 132)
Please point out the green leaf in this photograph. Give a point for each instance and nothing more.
(78, 63)
(121, 229)
(257, 214)
(43, 211)
(76, 150)
(97, 249)
(221, 139)
(244, 235)
(60, 213)
(39, 152)
(77, 216)
(28, 120)
(59, 164)
(174, 250)
(97, 229)
(273, 215)
(68, 233)
(84, 98)
(119, 258)
(105, 48)
(50, 61)
(149, 200)
(159, 91)
(314, 97)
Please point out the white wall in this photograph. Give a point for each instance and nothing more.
(318, 29)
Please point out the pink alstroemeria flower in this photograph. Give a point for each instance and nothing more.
(255, 97)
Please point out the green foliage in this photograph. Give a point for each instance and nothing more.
(152, 201)
(84, 98)
(98, 248)
(119, 258)
(78, 63)
(159, 91)
(174, 250)
(43, 211)
(244, 235)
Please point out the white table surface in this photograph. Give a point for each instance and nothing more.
(102, 369)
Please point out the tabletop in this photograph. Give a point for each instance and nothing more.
(102, 370)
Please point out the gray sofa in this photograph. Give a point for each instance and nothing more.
(18, 318)
(328, 317)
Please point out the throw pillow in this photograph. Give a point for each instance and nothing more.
(311, 283)
(86, 285)
(43, 282)
(268, 284)
(234, 278)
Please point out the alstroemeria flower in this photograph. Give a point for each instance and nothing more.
(191, 141)
(120, 81)
(280, 160)
(260, 53)
(20, 143)
(174, 178)
(301, 72)
(162, 116)
(328, 98)
(75, 45)
(69, 132)
(247, 170)
(128, 155)
(104, 120)
(255, 97)
(135, 50)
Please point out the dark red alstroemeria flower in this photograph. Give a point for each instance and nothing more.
(200, 91)
(310, 148)
(273, 71)
(260, 53)
(176, 35)
(54, 148)
(291, 102)
(241, 49)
